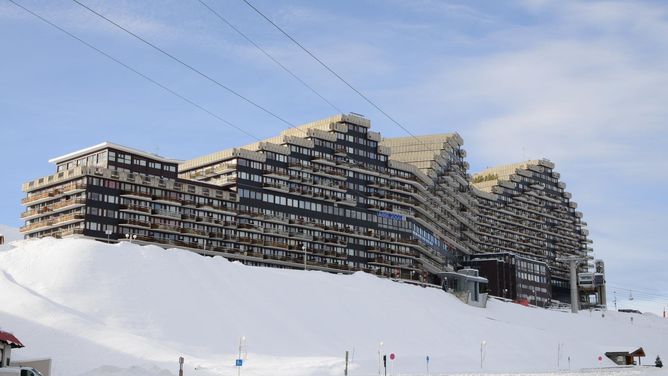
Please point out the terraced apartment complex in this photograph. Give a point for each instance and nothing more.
(329, 195)
(524, 209)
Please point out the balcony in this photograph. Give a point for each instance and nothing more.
(56, 221)
(68, 232)
(136, 223)
(164, 227)
(36, 198)
(135, 208)
(166, 214)
(140, 195)
(58, 206)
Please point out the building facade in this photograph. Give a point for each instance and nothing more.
(514, 277)
(329, 195)
(523, 209)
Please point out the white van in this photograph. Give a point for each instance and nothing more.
(19, 371)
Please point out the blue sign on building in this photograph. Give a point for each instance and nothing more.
(396, 217)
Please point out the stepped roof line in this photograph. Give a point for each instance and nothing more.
(491, 176)
(300, 131)
(420, 151)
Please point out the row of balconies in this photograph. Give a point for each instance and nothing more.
(303, 222)
(405, 265)
(173, 201)
(241, 239)
(63, 204)
(315, 258)
(53, 221)
(33, 198)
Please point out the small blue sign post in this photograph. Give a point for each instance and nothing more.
(239, 362)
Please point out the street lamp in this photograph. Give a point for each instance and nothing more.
(131, 238)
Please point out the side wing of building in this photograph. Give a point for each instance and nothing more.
(524, 210)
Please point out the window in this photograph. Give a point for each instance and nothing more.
(123, 158)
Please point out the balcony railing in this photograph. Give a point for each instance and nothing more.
(53, 221)
(53, 207)
(67, 188)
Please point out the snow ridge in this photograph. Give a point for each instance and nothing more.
(99, 308)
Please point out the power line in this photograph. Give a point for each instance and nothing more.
(268, 55)
(126, 66)
(635, 293)
(639, 292)
(327, 67)
(153, 81)
(183, 63)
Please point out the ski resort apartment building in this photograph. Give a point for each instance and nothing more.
(525, 212)
(330, 195)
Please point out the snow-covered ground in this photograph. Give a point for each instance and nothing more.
(126, 310)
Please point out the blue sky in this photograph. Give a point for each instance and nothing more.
(584, 84)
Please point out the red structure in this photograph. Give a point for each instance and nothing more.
(7, 342)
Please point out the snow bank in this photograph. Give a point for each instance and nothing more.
(122, 309)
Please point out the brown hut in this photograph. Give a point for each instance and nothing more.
(625, 357)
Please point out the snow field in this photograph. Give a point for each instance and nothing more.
(130, 310)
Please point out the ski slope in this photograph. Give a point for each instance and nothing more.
(124, 309)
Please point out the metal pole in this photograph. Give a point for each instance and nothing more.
(482, 346)
(614, 293)
(575, 302)
(241, 340)
(180, 366)
(345, 371)
(304, 249)
(380, 346)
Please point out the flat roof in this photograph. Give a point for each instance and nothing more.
(110, 145)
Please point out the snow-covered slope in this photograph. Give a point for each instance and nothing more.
(93, 306)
